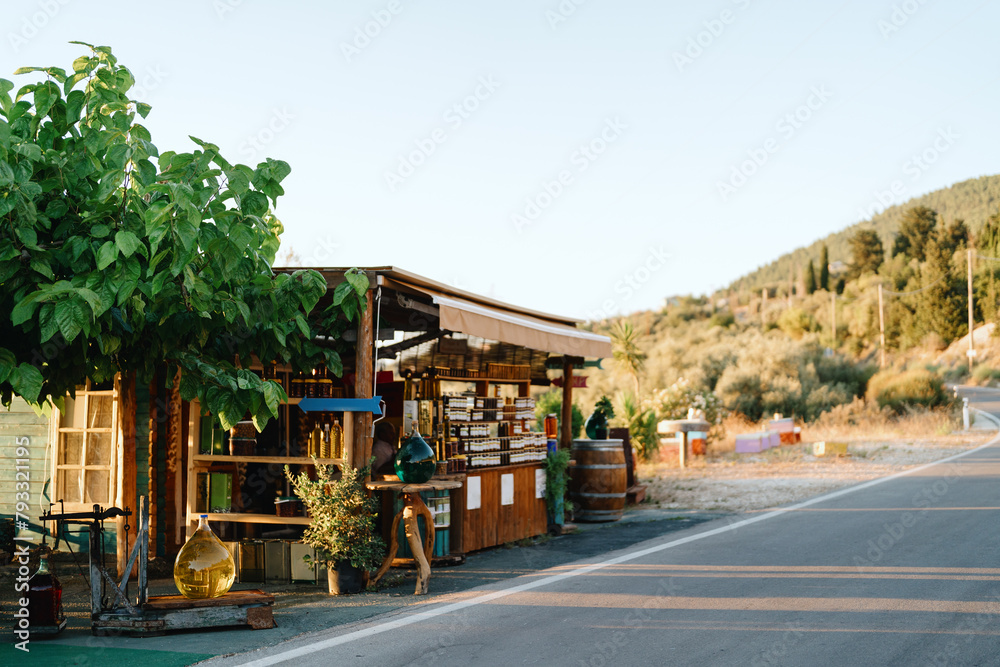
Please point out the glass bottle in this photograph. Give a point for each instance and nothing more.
(315, 440)
(338, 439)
(204, 567)
(44, 596)
(326, 446)
(551, 426)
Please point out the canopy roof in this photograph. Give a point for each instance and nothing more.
(476, 315)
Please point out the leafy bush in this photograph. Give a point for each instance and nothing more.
(796, 322)
(722, 319)
(343, 516)
(915, 387)
(641, 423)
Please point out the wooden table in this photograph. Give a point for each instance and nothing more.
(683, 426)
(413, 507)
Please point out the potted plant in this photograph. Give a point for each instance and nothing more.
(597, 423)
(556, 482)
(343, 529)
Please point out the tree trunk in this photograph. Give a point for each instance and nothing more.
(128, 470)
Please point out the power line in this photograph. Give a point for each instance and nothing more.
(916, 291)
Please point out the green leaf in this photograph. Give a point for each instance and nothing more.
(99, 231)
(254, 203)
(45, 97)
(359, 281)
(272, 396)
(143, 108)
(56, 209)
(303, 325)
(70, 318)
(28, 236)
(92, 299)
(107, 255)
(26, 382)
(49, 326)
(341, 291)
(127, 242)
(24, 309)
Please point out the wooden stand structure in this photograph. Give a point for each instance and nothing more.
(413, 507)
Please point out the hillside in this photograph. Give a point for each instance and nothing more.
(973, 200)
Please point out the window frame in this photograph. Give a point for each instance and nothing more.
(59, 432)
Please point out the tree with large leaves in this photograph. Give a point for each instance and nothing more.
(116, 258)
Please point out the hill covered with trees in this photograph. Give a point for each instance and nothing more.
(972, 201)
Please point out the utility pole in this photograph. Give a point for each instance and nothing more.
(972, 347)
(833, 313)
(881, 329)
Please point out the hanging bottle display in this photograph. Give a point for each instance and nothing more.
(45, 596)
(204, 567)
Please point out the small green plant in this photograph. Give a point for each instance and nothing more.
(557, 480)
(343, 516)
(597, 423)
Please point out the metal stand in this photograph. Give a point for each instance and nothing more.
(118, 614)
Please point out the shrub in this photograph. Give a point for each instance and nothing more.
(796, 322)
(915, 387)
(983, 375)
(722, 319)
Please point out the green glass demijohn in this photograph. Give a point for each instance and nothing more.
(414, 462)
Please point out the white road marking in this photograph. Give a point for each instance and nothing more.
(388, 626)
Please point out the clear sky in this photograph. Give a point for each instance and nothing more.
(583, 157)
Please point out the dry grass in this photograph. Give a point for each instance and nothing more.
(878, 445)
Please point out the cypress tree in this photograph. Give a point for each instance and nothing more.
(824, 269)
(810, 278)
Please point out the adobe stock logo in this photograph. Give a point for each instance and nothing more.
(787, 127)
(31, 25)
(713, 29)
(585, 155)
(454, 117)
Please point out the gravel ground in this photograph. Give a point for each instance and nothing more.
(746, 482)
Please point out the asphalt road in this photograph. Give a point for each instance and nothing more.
(898, 571)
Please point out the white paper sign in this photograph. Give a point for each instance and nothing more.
(539, 483)
(473, 496)
(507, 489)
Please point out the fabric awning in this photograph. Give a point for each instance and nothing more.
(517, 329)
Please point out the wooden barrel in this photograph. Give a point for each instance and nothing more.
(598, 481)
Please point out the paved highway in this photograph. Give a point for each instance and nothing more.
(899, 571)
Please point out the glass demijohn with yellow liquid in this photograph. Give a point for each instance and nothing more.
(204, 567)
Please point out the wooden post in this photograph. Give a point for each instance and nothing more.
(363, 377)
(566, 420)
(763, 307)
(881, 329)
(128, 472)
(972, 346)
